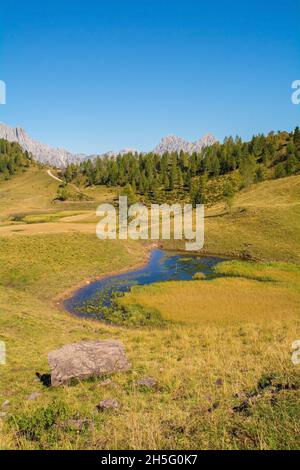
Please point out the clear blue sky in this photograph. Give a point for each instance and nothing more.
(93, 76)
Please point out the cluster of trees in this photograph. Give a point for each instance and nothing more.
(150, 175)
(12, 158)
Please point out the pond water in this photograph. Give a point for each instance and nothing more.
(162, 266)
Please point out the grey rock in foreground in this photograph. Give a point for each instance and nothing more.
(87, 359)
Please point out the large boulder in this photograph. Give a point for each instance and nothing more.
(87, 359)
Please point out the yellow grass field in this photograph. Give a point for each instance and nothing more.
(222, 361)
(221, 301)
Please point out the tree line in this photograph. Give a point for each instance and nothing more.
(12, 158)
(180, 174)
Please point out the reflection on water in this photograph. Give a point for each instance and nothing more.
(162, 266)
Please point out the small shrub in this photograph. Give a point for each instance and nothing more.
(199, 276)
(133, 315)
(34, 425)
(280, 171)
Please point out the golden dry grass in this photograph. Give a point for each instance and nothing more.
(219, 301)
(27, 204)
(205, 366)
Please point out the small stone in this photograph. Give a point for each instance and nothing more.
(109, 404)
(33, 396)
(78, 424)
(105, 383)
(219, 382)
(2, 414)
(5, 404)
(146, 382)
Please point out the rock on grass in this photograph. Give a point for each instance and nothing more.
(148, 382)
(87, 359)
(109, 404)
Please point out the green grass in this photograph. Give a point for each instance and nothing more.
(46, 218)
(33, 192)
(27, 192)
(264, 224)
(246, 294)
(222, 360)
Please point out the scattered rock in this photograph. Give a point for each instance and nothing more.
(87, 359)
(2, 414)
(5, 404)
(106, 382)
(148, 382)
(109, 404)
(266, 387)
(33, 396)
(219, 382)
(78, 424)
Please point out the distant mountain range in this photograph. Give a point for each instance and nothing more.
(173, 143)
(60, 157)
(43, 153)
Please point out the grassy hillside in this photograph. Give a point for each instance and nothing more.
(264, 223)
(222, 362)
(27, 201)
(29, 191)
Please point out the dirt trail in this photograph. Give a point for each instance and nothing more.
(54, 177)
(61, 181)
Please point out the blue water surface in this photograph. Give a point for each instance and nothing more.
(162, 266)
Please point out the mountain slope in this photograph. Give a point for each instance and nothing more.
(173, 143)
(43, 153)
(60, 157)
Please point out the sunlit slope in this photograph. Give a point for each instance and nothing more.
(29, 191)
(28, 206)
(264, 224)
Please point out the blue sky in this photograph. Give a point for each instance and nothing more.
(94, 76)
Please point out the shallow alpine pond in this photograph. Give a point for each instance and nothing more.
(162, 266)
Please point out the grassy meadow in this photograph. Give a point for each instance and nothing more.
(269, 293)
(222, 361)
(264, 223)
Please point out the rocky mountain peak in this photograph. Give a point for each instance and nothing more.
(172, 143)
(60, 157)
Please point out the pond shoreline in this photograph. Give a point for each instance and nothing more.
(58, 300)
(161, 265)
